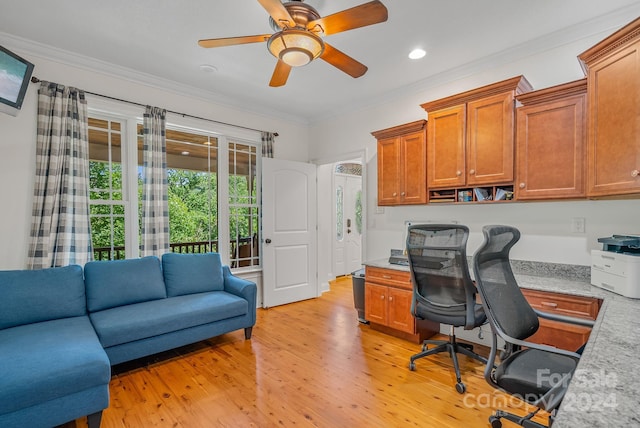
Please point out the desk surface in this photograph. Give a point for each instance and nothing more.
(605, 389)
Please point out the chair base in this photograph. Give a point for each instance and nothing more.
(453, 348)
(523, 421)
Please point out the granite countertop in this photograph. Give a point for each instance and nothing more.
(605, 389)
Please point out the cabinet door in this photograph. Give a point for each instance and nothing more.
(551, 145)
(446, 147)
(614, 124)
(490, 140)
(375, 303)
(413, 187)
(388, 171)
(400, 316)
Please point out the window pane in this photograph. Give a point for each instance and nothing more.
(107, 208)
(339, 213)
(192, 190)
(243, 205)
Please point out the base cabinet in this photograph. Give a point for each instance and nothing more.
(388, 295)
(562, 335)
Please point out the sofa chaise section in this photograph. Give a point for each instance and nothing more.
(53, 368)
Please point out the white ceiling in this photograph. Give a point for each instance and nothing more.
(159, 38)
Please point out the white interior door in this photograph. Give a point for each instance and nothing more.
(347, 239)
(289, 231)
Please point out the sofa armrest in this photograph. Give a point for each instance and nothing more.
(241, 288)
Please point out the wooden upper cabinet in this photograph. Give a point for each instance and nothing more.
(551, 143)
(613, 88)
(445, 147)
(470, 136)
(402, 164)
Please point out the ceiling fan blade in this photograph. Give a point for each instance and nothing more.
(280, 74)
(230, 41)
(370, 13)
(343, 61)
(278, 12)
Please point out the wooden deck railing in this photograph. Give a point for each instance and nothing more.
(240, 250)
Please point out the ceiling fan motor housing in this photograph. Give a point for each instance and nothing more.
(301, 13)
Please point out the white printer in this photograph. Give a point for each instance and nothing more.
(617, 267)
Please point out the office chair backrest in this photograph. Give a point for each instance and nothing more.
(505, 305)
(438, 260)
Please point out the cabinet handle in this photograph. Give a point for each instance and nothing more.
(473, 171)
(549, 304)
(395, 194)
(458, 173)
(402, 194)
(391, 298)
(522, 185)
(386, 276)
(635, 173)
(382, 296)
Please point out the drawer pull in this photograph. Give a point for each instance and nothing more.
(608, 257)
(549, 304)
(386, 276)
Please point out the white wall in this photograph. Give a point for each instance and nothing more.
(18, 135)
(545, 226)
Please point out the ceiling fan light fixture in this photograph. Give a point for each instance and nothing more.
(295, 47)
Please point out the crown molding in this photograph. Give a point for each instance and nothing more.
(61, 56)
(607, 23)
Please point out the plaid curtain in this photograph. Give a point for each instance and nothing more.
(60, 228)
(155, 206)
(267, 144)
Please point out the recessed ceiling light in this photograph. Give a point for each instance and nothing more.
(207, 68)
(417, 53)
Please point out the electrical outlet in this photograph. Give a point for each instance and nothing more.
(578, 225)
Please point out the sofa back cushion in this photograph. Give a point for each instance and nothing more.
(192, 273)
(123, 282)
(30, 296)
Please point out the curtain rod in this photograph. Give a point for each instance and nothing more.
(275, 134)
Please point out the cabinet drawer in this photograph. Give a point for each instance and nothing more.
(563, 304)
(391, 277)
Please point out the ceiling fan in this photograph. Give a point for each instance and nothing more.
(298, 35)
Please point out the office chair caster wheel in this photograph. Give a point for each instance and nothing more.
(495, 422)
(460, 387)
(412, 366)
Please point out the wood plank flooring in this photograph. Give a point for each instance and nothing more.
(308, 364)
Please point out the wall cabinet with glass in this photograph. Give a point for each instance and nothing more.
(551, 143)
(470, 139)
(402, 164)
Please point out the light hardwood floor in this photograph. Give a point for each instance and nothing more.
(308, 364)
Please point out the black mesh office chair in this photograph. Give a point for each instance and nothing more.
(442, 288)
(537, 374)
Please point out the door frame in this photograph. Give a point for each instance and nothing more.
(325, 216)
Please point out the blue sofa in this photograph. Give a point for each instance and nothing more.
(60, 330)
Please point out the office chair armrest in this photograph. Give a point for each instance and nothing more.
(565, 319)
(532, 345)
(552, 399)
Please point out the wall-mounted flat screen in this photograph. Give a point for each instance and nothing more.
(15, 73)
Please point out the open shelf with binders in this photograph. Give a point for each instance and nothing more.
(480, 194)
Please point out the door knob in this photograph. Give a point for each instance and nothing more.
(267, 241)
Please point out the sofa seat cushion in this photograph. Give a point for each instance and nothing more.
(44, 361)
(122, 282)
(142, 320)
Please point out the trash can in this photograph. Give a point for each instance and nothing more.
(358, 294)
